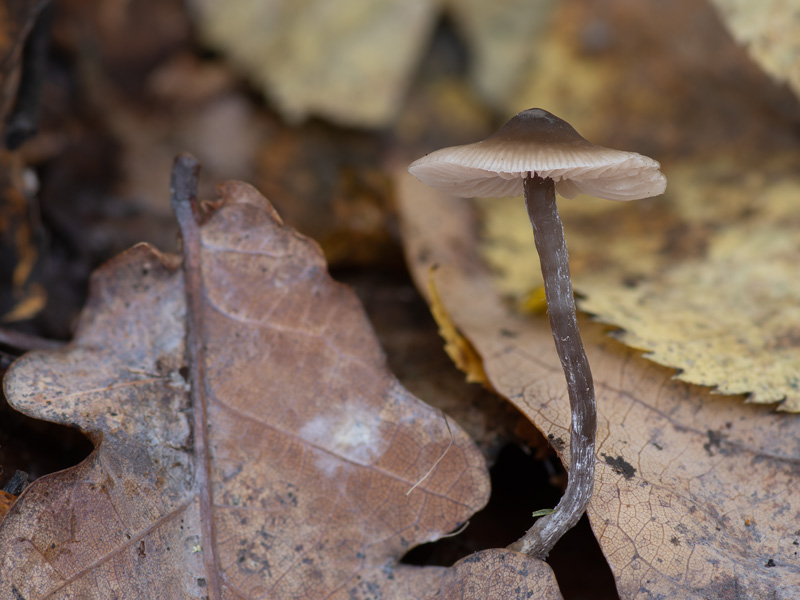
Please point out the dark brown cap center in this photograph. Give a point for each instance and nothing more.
(536, 125)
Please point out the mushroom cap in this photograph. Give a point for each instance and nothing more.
(537, 142)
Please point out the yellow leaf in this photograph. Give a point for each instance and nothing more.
(703, 278)
(31, 304)
(458, 348)
(729, 318)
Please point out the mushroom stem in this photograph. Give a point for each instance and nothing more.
(548, 233)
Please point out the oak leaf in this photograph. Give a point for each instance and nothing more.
(694, 494)
(249, 439)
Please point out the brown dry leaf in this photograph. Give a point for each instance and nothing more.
(498, 575)
(409, 336)
(6, 501)
(29, 306)
(771, 33)
(20, 298)
(21, 295)
(268, 459)
(324, 181)
(694, 495)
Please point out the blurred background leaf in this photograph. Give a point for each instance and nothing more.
(352, 61)
(770, 30)
(348, 61)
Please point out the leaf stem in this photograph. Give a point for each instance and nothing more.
(548, 233)
(183, 195)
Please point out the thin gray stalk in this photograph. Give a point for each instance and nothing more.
(548, 233)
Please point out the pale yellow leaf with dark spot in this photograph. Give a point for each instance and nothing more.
(705, 277)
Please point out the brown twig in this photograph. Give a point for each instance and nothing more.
(26, 341)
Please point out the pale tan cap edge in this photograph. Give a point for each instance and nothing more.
(613, 174)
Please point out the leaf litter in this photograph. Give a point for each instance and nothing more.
(265, 453)
(693, 493)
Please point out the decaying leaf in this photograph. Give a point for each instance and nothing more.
(638, 229)
(261, 451)
(20, 298)
(612, 69)
(21, 295)
(500, 575)
(694, 495)
(6, 501)
(771, 33)
(17, 19)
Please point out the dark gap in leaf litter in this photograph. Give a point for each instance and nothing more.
(36, 447)
(521, 483)
(448, 54)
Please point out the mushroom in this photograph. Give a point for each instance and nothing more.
(538, 154)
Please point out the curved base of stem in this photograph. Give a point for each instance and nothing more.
(548, 234)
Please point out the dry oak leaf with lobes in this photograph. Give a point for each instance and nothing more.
(695, 496)
(262, 451)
